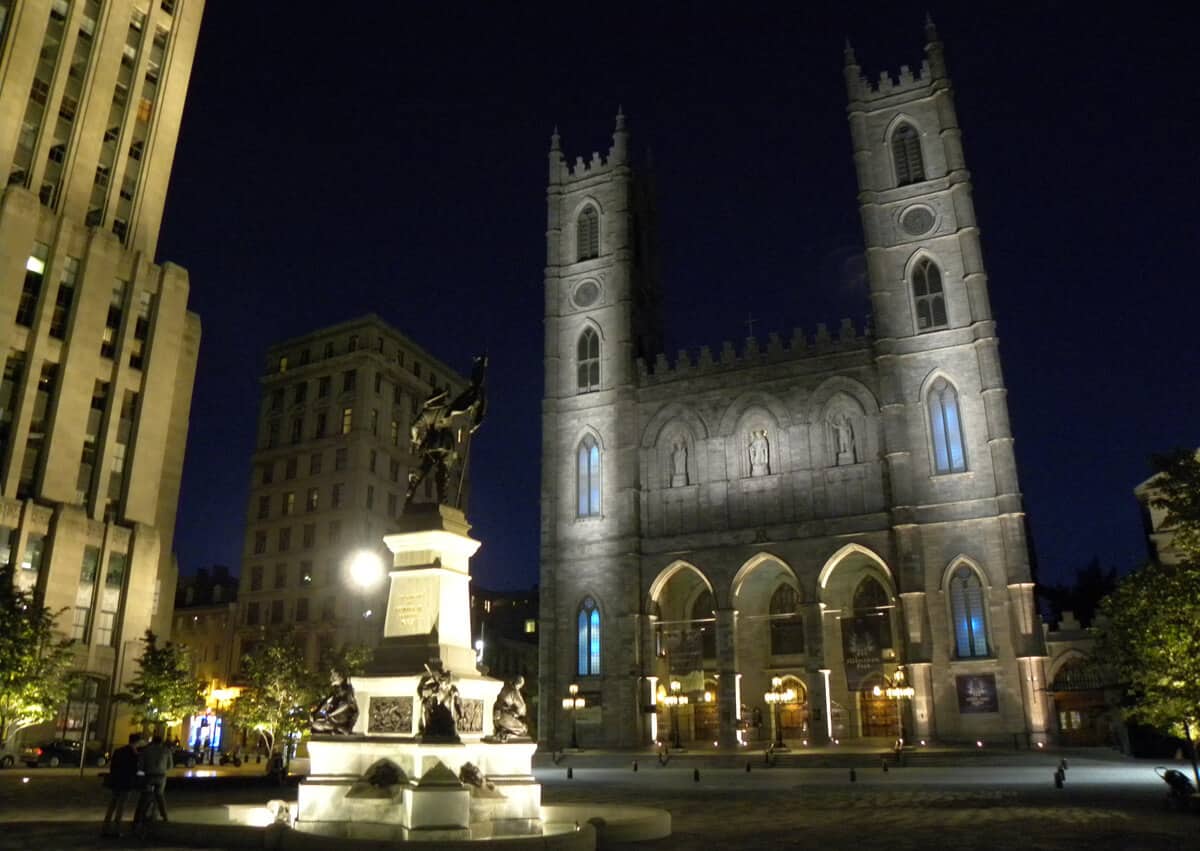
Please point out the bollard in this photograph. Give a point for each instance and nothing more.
(635, 766)
(570, 772)
(696, 775)
(1059, 777)
(747, 766)
(885, 765)
(853, 776)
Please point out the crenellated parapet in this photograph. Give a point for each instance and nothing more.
(562, 171)
(752, 353)
(931, 71)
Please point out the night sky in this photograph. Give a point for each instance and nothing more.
(393, 159)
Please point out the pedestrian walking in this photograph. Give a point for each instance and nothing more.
(122, 780)
(155, 761)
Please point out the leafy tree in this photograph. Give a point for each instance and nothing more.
(1092, 584)
(34, 660)
(164, 692)
(1148, 631)
(280, 689)
(1177, 491)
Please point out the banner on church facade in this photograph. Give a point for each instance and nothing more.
(862, 648)
(977, 694)
(685, 649)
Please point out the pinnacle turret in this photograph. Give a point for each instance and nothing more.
(620, 146)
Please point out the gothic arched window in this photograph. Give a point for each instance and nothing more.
(587, 234)
(967, 613)
(587, 475)
(705, 613)
(587, 357)
(589, 638)
(787, 625)
(945, 424)
(906, 154)
(870, 600)
(928, 298)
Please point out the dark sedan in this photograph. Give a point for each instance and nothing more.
(61, 752)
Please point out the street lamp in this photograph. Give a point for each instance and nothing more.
(896, 690)
(572, 704)
(674, 700)
(777, 695)
(366, 569)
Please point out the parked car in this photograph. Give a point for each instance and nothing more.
(185, 756)
(9, 754)
(62, 752)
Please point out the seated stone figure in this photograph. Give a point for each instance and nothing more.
(337, 713)
(441, 706)
(508, 715)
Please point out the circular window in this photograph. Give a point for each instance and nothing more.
(587, 293)
(917, 221)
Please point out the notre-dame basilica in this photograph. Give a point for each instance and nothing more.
(822, 517)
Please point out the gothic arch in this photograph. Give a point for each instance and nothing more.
(670, 571)
(927, 383)
(921, 172)
(666, 417)
(583, 202)
(831, 564)
(755, 561)
(831, 387)
(594, 432)
(1071, 654)
(745, 404)
(963, 558)
(898, 119)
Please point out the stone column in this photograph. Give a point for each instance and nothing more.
(819, 722)
(727, 685)
(1031, 669)
(920, 677)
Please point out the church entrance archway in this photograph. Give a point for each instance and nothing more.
(879, 713)
(683, 620)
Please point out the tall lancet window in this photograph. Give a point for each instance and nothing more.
(945, 424)
(587, 234)
(587, 357)
(928, 298)
(906, 154)
(967, 613)
(588, 477)
(589, 638)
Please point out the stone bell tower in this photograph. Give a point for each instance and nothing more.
(601, 315)
(947, 440)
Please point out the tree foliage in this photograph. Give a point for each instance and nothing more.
(1092, 583)
(34, 660)
(164, 691)
(1177, 491)
(280, 689)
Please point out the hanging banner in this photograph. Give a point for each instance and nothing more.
(977, 693)
(685, 649)
(862, 648)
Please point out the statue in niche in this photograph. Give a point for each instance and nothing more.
(679, 457)
(337, 713)
(441, 706)
(508, 715)
(760, 453)
(438, 438)
(843, 440)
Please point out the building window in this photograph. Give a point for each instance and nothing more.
(946, 427)
(395, 433)
(297, 429)
(252, 614)
(302, 610)
(967, 613)
(348, 381)
(704, 620)
(323, 387)
(335, 531)
(352, 346)
(929, 301)
(906, 154)
(588, 477)
(787, 626)
(339, 459)
(587, 234)
(260, 542)
(280, 576)
(289, 468)
(264, 507)
(64, 298)
(370, 497)
(300, 393)
(374, 424)
(378, 382)
(870, 600)
(35, 271)
(589, 638)
(314, 464)
(289, 503)
(256, 577)
(311, 503)
(336, 499)
(319, 425)
(587, 357)
(372, 460)
(276, 612)
(285, 540)
(530, 626)
(268, 472)
(347, 420)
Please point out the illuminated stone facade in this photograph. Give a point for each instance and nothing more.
(831, 509)
(99, 347)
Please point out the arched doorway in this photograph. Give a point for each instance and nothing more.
(879, 713)
(793, 717)
(683, 618)
(1080, 708)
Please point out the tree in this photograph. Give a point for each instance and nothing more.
(164, 691)
(1092, 584)
(280, 689)
(1148, 632)
(1177, 491)
(34, 660)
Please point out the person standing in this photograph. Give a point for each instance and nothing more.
(122, 779)
(154, 761)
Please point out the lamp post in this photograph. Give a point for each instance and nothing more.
(896, 690)
(777, 695)
(572, 704)
(675, 700)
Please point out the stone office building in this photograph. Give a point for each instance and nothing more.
(98, 345)
(329, 479)
(838, 511)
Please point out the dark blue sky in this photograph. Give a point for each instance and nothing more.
(395, 161)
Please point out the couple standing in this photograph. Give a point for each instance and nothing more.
(137, 767)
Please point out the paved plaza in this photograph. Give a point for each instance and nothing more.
(965, 804)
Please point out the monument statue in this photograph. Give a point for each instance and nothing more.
(679, 474)
(337, 713)
(437, 433)
(508, 714)
(441, 706)
(760, 453)
(843, 434)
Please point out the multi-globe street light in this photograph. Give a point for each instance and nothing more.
(573, 704)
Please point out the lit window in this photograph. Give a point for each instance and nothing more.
(945, 424)
(906, 155)
(967, 613)
(588, 476)
(928, 299)
(589, 638)
(530, 627)
(587, 358)
(787, 626)
(347, 420)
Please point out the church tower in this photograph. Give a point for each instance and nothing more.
(956, 509)
(601, 316)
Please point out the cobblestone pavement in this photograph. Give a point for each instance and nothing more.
(1103, 807)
